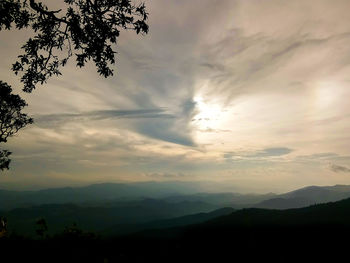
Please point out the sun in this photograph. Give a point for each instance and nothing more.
(208, 114)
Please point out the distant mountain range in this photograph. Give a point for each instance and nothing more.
(117, 209)
(317, 233)
(96, 193)
(109, 194)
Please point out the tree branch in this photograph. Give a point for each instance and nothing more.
(38, 9)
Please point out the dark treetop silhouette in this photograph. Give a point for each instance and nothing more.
(84, 28)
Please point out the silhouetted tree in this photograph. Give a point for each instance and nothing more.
(11, 119)
(41, 228)
(3, 227)
(86, 29)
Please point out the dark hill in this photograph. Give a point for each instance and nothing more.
(123, 229)
(97, 218)
(318, 233)
(328, 214)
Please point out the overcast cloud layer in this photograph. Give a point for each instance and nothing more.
(255, 93)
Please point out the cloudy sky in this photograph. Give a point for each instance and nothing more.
(250, 93)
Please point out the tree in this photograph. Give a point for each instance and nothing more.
(86, 29)
(42, 228)
(3, 226)
(11, 119)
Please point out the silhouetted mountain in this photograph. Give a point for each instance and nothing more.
(314, 234)
(328, 214)
(337, 213)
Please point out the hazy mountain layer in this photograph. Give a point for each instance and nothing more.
(111, 194)
(307, 196)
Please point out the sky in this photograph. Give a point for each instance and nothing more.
(248, 93)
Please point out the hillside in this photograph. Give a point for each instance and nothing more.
(97, 218)
(315, 233)
(123, 229)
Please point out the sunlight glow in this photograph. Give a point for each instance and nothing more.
(208, 114)
(325, 94)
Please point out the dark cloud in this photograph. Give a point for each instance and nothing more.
(165, 130)
(339, 169)
(171, 130)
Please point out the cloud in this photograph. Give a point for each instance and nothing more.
(319, 156)
(260, 155)
(279, 79)
(210, 130)
(164, 175)
(153, 123)
(50, 119)
(267, 152)
(339, 169)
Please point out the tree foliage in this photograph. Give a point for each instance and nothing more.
(11, 119)
(86, 29)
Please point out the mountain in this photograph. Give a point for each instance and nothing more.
(124, 229)
(317, 233)
(306, 196)
(283, 203)
(332, 214)
(97, 193)
(336, 213)
(222, 199)
(110, 194)
(97, 218)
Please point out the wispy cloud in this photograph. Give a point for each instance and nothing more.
(264, 153)
(154, 123)
(51, 119)
(269, 152)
